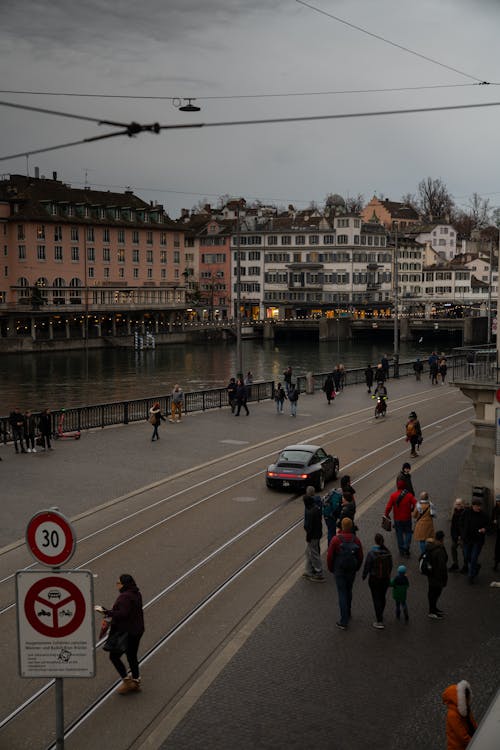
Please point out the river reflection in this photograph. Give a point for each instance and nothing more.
(64, 379)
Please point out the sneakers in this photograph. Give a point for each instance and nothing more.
(340, 626)
(127, 686)
(29, 450)
(318, 577)
(378, 625)
(435, 616)
(33, 450)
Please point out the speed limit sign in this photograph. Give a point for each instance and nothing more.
(50, 538)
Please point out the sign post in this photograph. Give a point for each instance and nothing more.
(55, 613)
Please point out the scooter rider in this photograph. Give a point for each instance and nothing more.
(380, 392)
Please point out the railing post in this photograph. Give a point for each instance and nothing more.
(125, 412)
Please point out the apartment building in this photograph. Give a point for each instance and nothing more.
(97, 261)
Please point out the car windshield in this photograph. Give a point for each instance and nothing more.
(295, 457)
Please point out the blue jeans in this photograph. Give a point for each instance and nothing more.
(344, 589)
(471, 557)
(331, 525)
(403, 535)
(293, 408)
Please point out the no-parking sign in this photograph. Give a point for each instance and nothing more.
(55, 623)
(50, 538)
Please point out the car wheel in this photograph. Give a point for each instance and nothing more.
(320, 484)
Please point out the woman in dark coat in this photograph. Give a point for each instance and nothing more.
(329, 388)
(127, 617)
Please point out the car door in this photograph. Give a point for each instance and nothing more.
(326, 461)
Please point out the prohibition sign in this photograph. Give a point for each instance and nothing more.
(59, 596)
(50, 538)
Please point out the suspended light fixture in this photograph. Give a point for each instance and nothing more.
(189, 107)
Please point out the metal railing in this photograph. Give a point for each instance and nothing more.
(477, 366)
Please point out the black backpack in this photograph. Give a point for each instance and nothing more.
(346, 560)
(424, 564)
(382, 565)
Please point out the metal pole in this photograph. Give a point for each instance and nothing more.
(489, 295)
(396, 306)
(239, 358)
(59, 714)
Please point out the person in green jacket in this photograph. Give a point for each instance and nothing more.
(400, 585)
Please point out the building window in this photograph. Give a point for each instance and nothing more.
(90, 254)
(21, 252)
(329, 239)
(286, 239)
(106, 273)
(121, 236)
(58, 253)
(149, 238)
(121, 256)
(163, 238)
(177, 242)
(176, 273)
(297, 257)
(135, 256)
(149, 256)
(20, 232)
(105, 235)
(40, 252)
(135, 273)
(272, 240)
(342, 239)
(75, 253)
(91, 272)
(40, 232)
(135, 237)
(106, 254)
(300, 239)
(163, 273)
(90, 234)
(74, 234)
(121, 273)
(150, 273)
(177, 256)
(57, 233)
(314, 239)
(163, 256)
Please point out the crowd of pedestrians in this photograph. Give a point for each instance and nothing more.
(31, 432)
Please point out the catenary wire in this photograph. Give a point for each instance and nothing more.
(388, 41)
(155, 127)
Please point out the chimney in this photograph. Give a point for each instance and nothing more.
(54, 175)
(37, 172)
(185, 213)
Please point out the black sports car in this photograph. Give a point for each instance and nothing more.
(301, 465)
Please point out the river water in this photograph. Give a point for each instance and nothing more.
(60, 379)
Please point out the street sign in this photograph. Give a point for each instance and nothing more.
(50, 538)
(55, 623)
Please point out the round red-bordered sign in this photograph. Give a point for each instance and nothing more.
(50, 538)
(62, 600)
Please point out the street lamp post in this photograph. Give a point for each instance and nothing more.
(396, 306)
(239, 358)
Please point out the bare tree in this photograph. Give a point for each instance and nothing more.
(435, 200)
(410, 199)
(354, 204)
(479, 210)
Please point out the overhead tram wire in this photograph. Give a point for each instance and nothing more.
(135, 128)
(393, 44)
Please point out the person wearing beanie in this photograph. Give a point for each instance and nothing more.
(413, 433)
(460, 723)
(378, 567)
(438, 575)
(313, 527)
(344, 559)
(400, 585)
(402, 504)
(405, 476)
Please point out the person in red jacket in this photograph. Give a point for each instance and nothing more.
(344, 558)
(460, 723)
(401, 503)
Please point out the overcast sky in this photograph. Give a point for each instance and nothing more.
(217, 50)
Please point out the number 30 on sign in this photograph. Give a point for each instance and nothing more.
(50, 538)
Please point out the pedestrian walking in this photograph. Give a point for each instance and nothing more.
(402, 504)
(313, 527)
(378, 568)
(177, 402)
(405, 476)
(45, 427)
(231, 394)
(434, 371)
(437, 573)
(455, 533)
(344, 559)
(332, 506)
(345, 483)
(155, 418)
(400, 585)
(241, 397)
(413, 433)
(125, 633)
(279, 398)
(329, 388)
(29, 431)
(287, 378)
(379, 374)
(442, 369)
(474, 524)
(418, 368)
(369, 377)
(385, 366)
(337, 378)
(248, 383)
(16, 421)
(293, 397)
(460, 722)
(424, 526)
(342, 380)
(347, 508)
(496, 526)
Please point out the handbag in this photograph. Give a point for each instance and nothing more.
(116, 642)
(104, 627)
(386, 523)
(152, 419)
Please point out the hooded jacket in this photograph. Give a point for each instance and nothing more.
(460, 723)
(126, 615)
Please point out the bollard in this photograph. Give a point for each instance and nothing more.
(309, 383)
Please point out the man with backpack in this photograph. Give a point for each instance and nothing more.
(378, 567)
(402, 503)
(344, 559)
